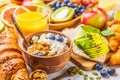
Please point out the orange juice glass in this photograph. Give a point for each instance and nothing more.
(31, 18)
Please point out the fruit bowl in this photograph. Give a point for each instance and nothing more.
(60, 19)
(48, 63)
(68, 24)
(62, 25)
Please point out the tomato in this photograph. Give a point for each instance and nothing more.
(85, 2)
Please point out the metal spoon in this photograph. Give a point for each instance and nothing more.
(19, 30)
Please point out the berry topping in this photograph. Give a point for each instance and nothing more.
(58, 5)
(104, 73)
(51, 36)
(70, 4)
(53, 4)
(54, 8)
(111, 71)
(99, 66)
(38, 54)
(59, 38)
(66, 1)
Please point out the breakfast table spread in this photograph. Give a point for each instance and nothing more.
(59, 40)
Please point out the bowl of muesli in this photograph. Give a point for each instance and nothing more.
(48, 50)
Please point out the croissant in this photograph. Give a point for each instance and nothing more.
(114, 43)
(12, 64)
(115, 58)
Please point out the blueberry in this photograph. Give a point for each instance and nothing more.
(104, 73)
(66, 1)
(53, 4)
(58, 5)
(75, 16)
(63, 4)
(70, 4)
(51, 36)
(38, 54)
(81, 7)
(111, 71)
(75, 5)
(54, 8)
(99, 66)
(82, 10)
(59, 38)
(75, 9)
(58, 2)
(79, 14)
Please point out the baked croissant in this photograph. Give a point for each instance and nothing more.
(12, 64)
(114, 43)
(115, 58)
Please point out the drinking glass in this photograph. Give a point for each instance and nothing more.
(32, 18)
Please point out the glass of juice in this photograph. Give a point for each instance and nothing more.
(32, 18)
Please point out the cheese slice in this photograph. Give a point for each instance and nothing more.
(108, 4)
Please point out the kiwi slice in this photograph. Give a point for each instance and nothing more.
(62, 14)
(2, 27)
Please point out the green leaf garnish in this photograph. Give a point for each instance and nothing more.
(90, 29)
(107, 32)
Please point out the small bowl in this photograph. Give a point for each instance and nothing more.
(67, 24)
(38, 74)
(46, 63)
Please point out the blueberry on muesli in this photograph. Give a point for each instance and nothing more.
(38, 54)
(59, 38)
(51, 36)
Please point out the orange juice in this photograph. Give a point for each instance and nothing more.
(31, 22)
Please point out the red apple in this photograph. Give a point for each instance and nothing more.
(96, 17)
(85, 2)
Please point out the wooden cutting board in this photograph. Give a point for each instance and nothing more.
(82, 62)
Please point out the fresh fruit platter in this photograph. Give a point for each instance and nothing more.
(59, 40)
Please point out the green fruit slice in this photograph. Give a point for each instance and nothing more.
(93, 44)
(117, 14)
(62, 14)
(39, 9)
(48, 7)
(2, 26)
